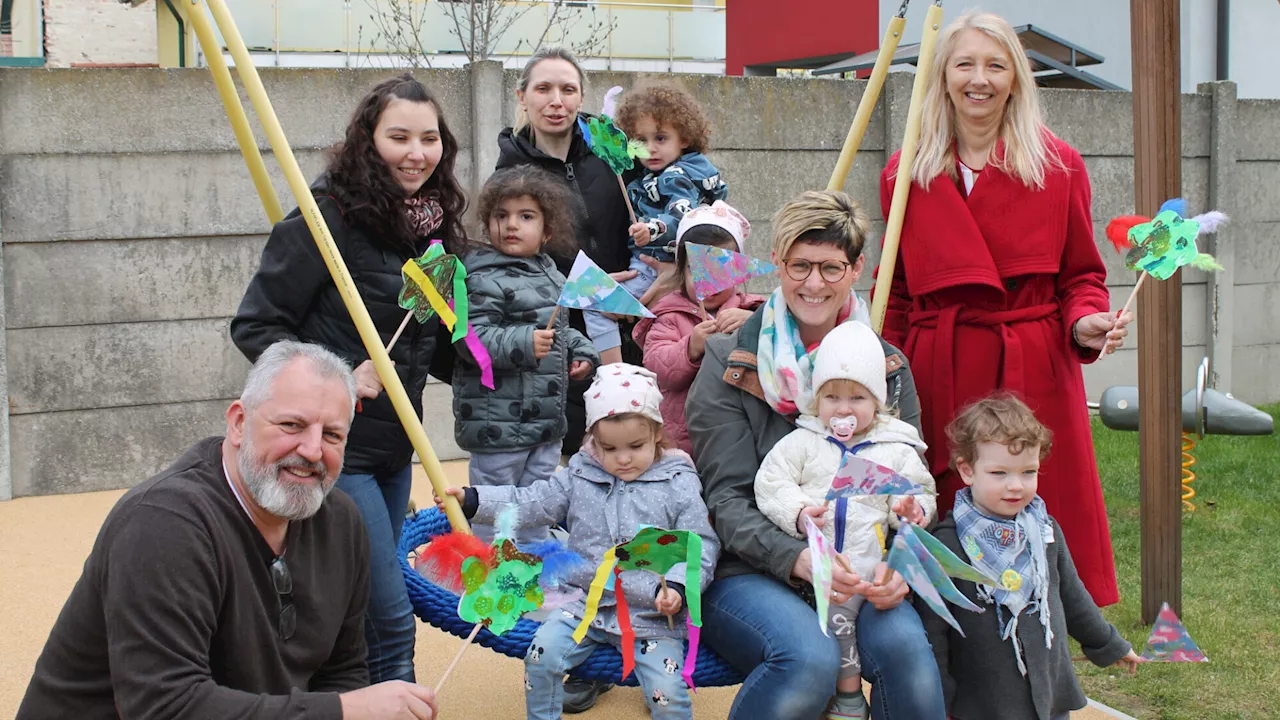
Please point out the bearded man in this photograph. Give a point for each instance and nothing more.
(232, 584)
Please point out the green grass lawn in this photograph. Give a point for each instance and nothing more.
(1231, 600)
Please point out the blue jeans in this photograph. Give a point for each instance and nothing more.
(773, 637)
(389, 626)
(553, 653)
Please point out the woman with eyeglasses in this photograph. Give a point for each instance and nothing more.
(758, 613)
(999, 284)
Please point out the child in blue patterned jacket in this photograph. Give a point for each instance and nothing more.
(678, 178)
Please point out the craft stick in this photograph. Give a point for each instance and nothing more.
(552, 322)
(663, 581)
(399, 330)
(1137, 286)
(627, 196)
(902, 186)
(474, 631)
(1119, 313)
(702, 305)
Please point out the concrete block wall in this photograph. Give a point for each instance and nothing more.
(99, 32)
(130, 228)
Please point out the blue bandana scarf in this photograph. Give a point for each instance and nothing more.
(1013, 551)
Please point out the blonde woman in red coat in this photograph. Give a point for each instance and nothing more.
(999, 283)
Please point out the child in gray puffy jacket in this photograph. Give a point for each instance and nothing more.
(621, 481)
(514, 431)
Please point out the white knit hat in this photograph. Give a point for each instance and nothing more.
(722, 215)
(620, 388)
(851, 351)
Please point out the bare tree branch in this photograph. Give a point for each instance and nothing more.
(480, 26)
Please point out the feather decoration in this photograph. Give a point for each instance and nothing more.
(1205, 261)
(1210, 222)
(441, 560)
(611, 101)
(559, 563)
(1118, 230)
(1178, 205)
(505, 524)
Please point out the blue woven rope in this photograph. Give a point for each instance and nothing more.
(439, 607)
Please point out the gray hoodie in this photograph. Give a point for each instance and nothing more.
(601, 511)
(510, 298)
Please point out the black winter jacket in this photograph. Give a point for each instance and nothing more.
(602, 218)
(293, 297)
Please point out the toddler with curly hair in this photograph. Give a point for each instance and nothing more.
(678, 178)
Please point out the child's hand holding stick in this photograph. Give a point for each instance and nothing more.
(668, 602)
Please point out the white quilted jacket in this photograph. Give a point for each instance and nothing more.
(799, 469)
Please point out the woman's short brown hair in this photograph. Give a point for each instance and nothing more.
(822, 217)
(999, 418)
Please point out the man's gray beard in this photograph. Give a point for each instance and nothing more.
(291, 501)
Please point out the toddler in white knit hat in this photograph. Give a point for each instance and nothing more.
(848, 414)
(623, 480)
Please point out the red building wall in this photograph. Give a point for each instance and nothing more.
(763, 32)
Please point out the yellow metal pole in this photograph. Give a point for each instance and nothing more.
(337, 268)
(235, 111)
(902, 186)
(888, 46)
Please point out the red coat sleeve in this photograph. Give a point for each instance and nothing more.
(1082, 278)
(895, 318)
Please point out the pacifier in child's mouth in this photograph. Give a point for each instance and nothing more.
(843, 428)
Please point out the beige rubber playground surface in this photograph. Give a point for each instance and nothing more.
(43, 544)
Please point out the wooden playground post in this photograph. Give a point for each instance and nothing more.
(1157, 165)
(329, 251)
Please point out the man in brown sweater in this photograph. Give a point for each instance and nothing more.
(232, 584)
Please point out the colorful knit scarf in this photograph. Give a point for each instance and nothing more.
(783, 363)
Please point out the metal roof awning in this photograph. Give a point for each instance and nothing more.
(1055, 62)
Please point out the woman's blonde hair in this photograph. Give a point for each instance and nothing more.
(825, 217)
(546, 52)
(1026, 154)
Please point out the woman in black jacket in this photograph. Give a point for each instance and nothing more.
(549, 134)
(389, 190)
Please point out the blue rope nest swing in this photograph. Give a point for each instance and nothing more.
(439, 608)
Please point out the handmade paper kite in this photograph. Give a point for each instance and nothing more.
(499, 583)
(436, 284)
(927, 566)
(820, 555)
(1159, 246)
(496, 595)
(610, 144)
(1170, 642)
(859, 476)
(429, 282)
(655, 550)
(590, 288)
(716, 269)
(902, 559)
